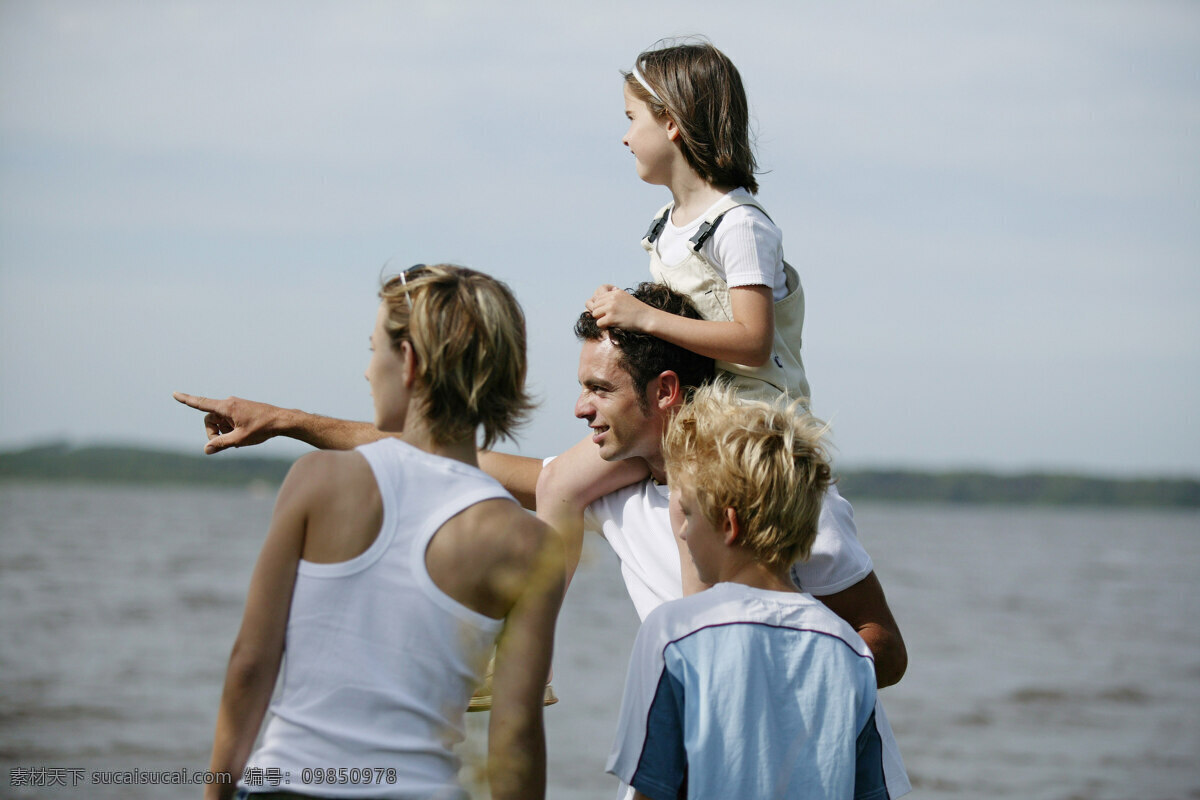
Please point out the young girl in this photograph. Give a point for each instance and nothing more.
(689, 131)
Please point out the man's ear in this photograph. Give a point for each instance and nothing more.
(668, 392)
(731, 529)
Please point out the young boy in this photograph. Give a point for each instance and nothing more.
(750, 688)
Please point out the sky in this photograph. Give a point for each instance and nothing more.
(994, 208)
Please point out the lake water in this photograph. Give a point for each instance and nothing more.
(1053, 653)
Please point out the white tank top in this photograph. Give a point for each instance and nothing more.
(380, 664)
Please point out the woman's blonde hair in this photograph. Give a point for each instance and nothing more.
(701, 90)
(766, 461)
(468, 334)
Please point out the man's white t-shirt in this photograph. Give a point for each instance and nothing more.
(636, 522)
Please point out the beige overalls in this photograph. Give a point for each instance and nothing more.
(783, 372)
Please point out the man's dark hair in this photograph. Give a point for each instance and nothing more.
(645, 357)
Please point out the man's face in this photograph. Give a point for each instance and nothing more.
(621, 428)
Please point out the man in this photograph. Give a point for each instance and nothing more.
(631, 385)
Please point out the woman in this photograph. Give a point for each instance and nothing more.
(389, 571)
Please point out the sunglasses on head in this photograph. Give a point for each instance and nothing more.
(404, 281)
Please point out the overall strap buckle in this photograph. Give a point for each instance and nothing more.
(707, 229)
(656, 227)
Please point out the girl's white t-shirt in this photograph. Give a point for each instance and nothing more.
(746, 249)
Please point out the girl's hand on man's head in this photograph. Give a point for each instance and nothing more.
(615, 308)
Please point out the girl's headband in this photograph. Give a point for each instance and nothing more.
(637, 73)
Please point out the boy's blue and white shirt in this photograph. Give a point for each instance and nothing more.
(738, 692)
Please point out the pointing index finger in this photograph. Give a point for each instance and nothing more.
(195, 401)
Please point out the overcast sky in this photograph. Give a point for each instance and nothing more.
(994, 207)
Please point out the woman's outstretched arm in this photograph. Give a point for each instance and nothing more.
(235, 422)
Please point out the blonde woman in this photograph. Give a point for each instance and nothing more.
(390, 571)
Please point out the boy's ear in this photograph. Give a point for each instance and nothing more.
(668, 392)
(731, 529)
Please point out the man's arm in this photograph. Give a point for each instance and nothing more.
(234, 422)
(864, 606)
(517, 474)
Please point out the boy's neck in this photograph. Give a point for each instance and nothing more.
(757, 575)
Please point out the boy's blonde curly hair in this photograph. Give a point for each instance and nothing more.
(766, 461)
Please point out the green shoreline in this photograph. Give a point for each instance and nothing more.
(129, 465)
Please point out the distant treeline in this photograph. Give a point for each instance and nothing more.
(104, 464)
(62, 462)
(1045, 489)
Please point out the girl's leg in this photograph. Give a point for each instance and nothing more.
(565, 487)
(573, 480)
